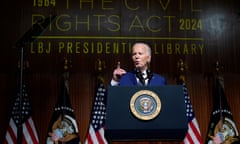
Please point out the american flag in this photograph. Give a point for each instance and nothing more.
(96, 129)
(193, 135)
(28, 128)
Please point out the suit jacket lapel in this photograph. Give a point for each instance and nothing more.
(133, 78)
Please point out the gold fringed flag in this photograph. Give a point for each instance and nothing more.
(193, 135)
(28, 133)
(96, 128)
(222, 128)
(63, 128)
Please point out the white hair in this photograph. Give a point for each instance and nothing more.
(149, 51)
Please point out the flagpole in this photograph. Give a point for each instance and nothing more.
(19, 126)
(218, 85)
(193, 134)
(220, 95)
(65, 77)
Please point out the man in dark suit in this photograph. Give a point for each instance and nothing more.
(141, 75)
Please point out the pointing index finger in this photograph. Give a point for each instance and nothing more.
(118, 65)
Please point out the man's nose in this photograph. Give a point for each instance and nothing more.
(136, 56)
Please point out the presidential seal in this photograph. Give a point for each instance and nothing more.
(145, 105)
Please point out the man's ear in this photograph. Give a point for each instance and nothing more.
(149, 59)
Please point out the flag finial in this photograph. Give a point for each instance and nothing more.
(181, 68)
(99, 68)
(67, 64)
(100, 65)
(218, 67)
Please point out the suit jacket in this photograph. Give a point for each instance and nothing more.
(129, 79)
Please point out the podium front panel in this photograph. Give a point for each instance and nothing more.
(169, 124)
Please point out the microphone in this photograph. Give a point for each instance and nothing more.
(140, 76)
(149, 75)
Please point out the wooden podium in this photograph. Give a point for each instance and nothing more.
(145, 113)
